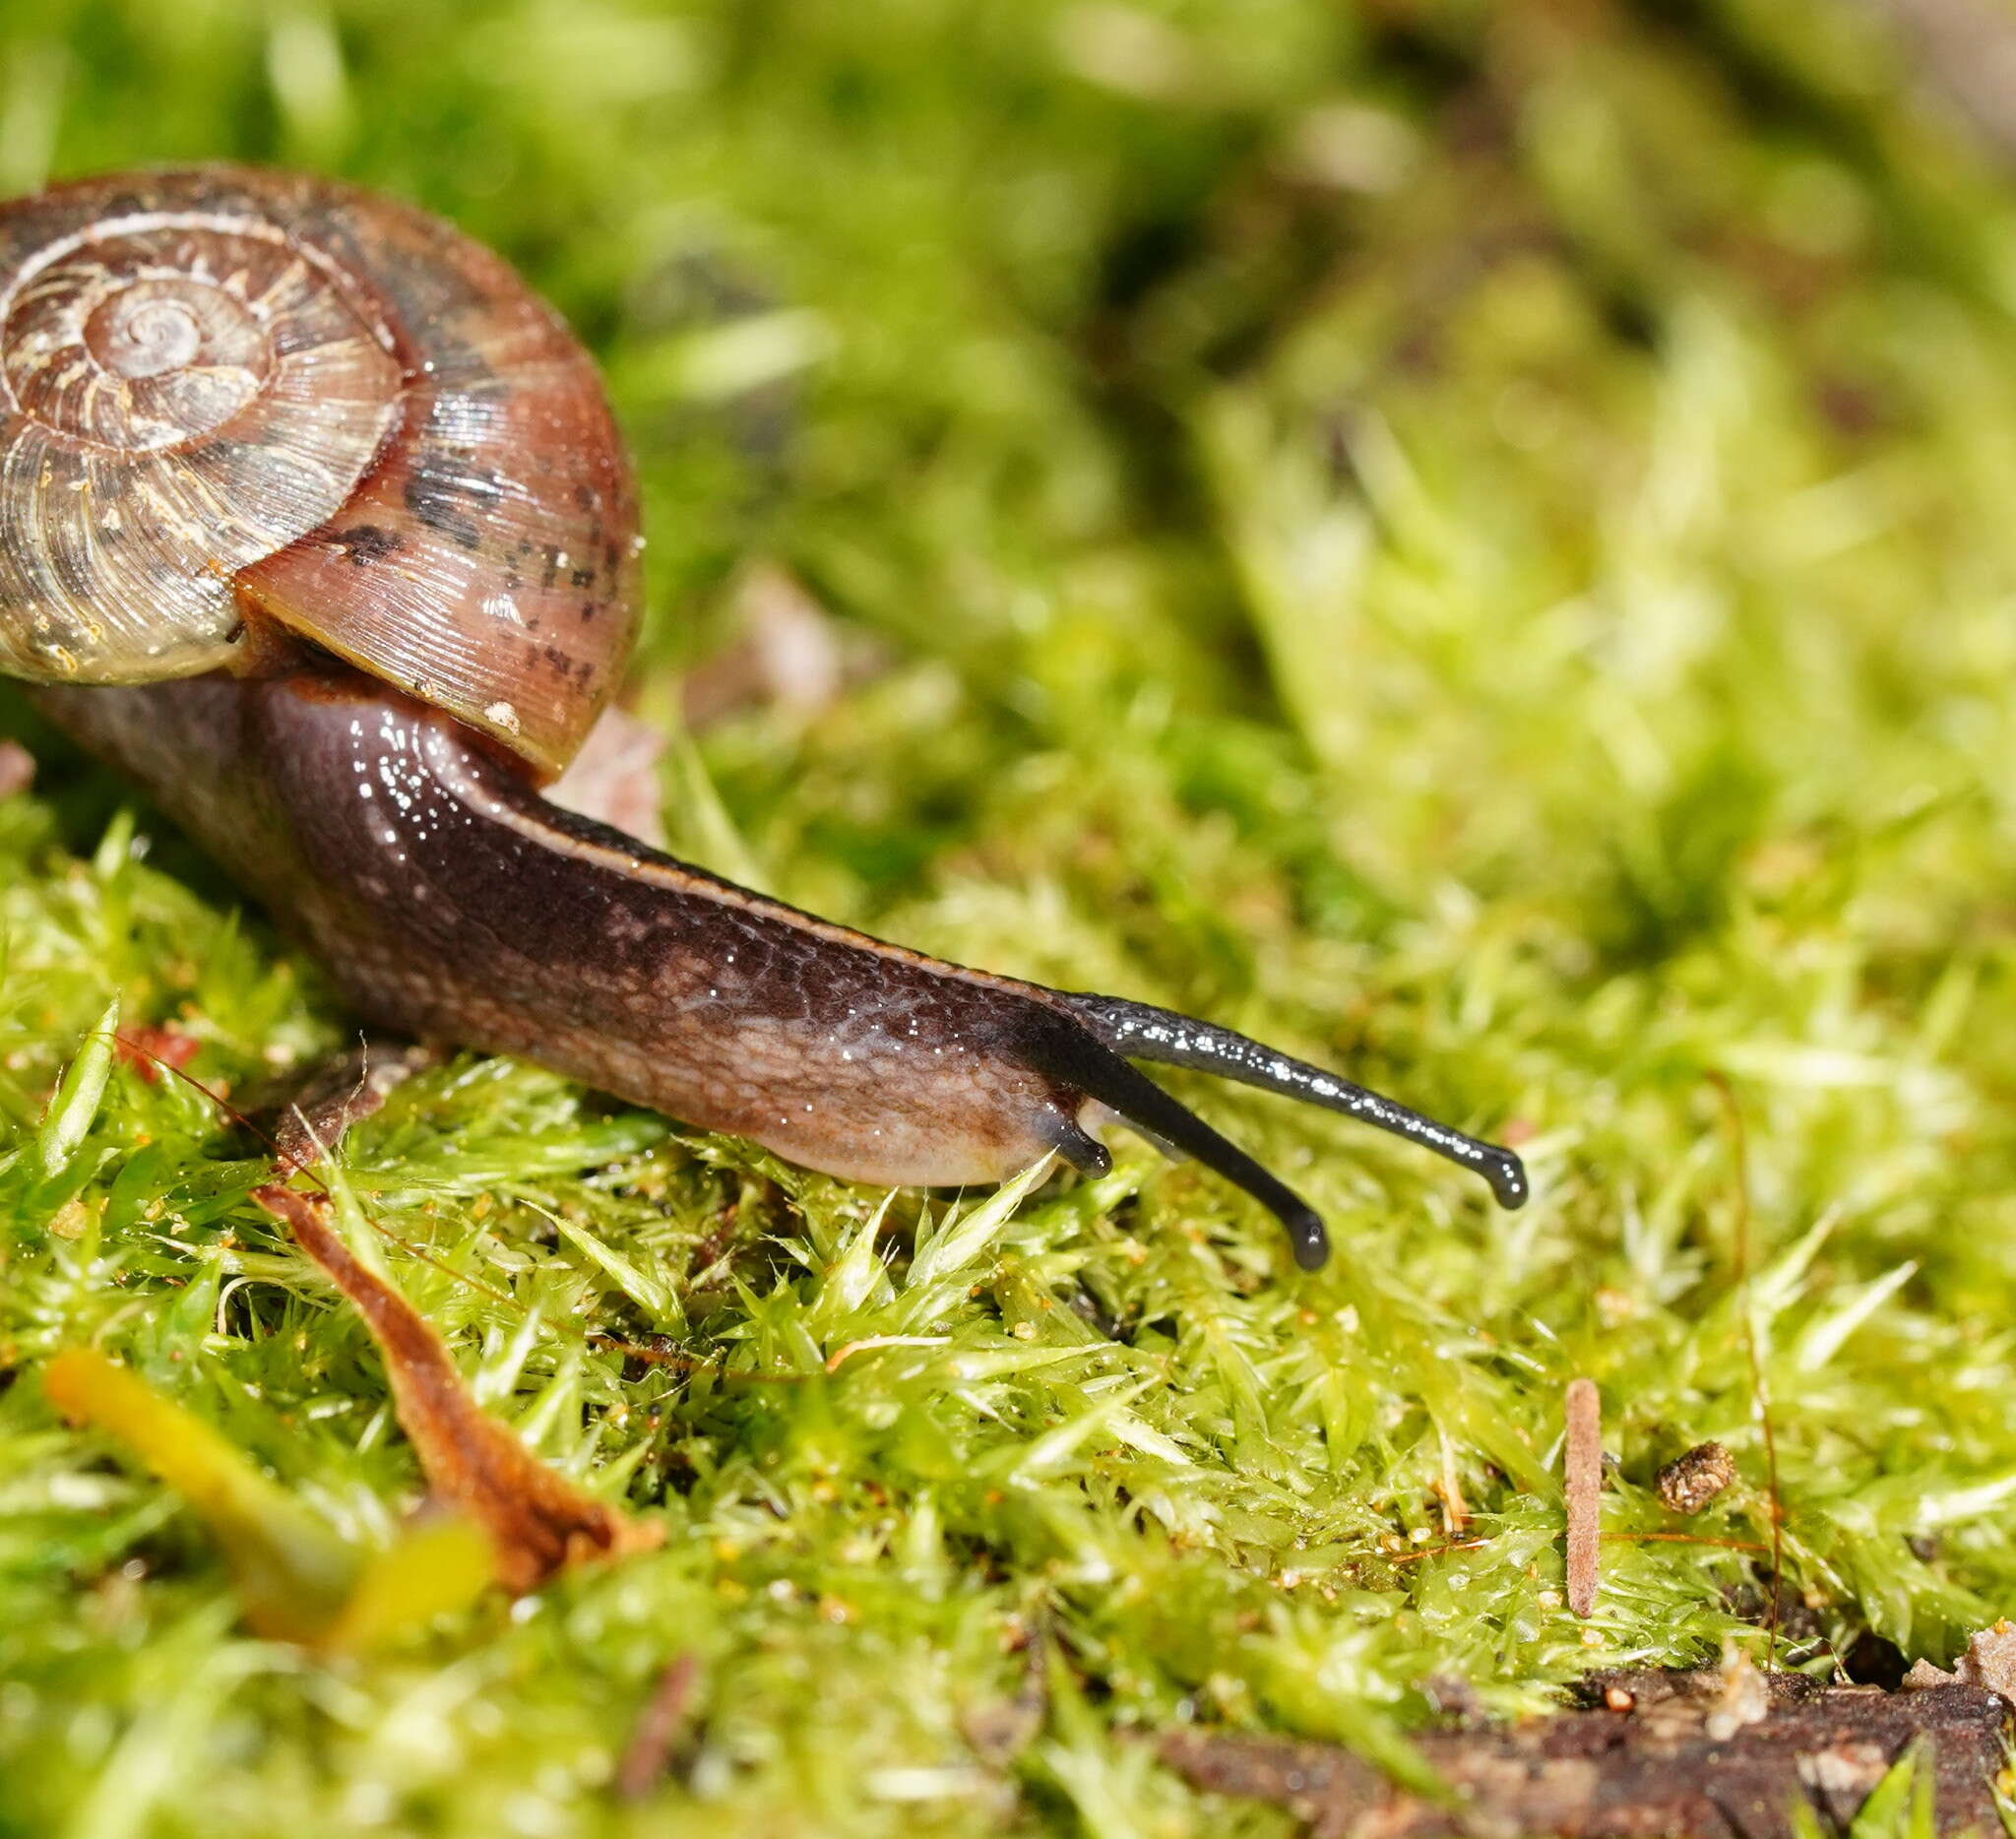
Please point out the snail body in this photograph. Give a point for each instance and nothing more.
(315, 521)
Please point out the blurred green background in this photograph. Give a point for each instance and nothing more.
(1474, 542)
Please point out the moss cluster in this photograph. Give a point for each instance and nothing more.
(1472, 543)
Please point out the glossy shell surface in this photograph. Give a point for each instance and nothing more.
(231, 392)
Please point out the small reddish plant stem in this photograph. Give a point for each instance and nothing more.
(1583, 1464)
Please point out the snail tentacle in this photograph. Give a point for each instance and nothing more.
(1143, 1031)
(1076, 1055)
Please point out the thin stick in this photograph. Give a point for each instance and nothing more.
(1419, 1552)
(657, 1729)
(137, 1051)
(1582, 1463)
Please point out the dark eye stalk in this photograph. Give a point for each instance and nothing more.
(1137, 1030)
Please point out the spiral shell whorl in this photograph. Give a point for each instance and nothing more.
(228, 392)
(185, 395)
(115, 343)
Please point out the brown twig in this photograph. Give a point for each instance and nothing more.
(675, 1361)
(1419, 1552)
(1432, 1551)
(1687, 1539)
(659, 1726)
(1583, 1464)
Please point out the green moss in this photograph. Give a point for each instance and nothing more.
(1474, 547)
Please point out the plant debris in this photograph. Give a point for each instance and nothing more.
(791, 656)
(1690, 1482)
(1989, 1660)
(614, 778)
(297, 1579)
(1659, 1752)
(318, 1114)
(538, 1523)
(664, 1718)
(1582, 1462)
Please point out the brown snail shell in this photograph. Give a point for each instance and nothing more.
(233, 395)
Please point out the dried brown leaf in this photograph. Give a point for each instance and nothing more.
(614, 778)
(538, 1523)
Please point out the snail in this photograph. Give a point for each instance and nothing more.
(314, 520)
